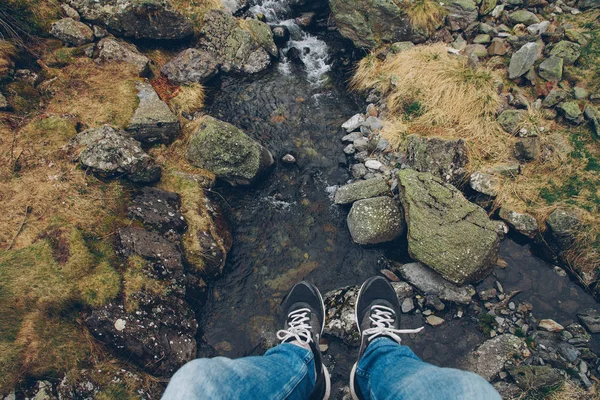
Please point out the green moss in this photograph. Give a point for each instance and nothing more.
(487, 323)
(23, 98)
(101, 286)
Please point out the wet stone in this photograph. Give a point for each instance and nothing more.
(489, 358)
(407, 305)
(550, 325)
(158, 210)
(353, 123)
(590, 319)
(375, 220)
(434, 320)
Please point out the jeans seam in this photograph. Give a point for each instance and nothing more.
(290, 386)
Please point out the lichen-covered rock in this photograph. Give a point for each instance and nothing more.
(370, 23)
(444, 158)
(111, 49)
(237, 47)
(360, 190)
(566, 50)
(528, 148)
(554, 97)
(461, 13)
(153, 122)
(147, 19)
(432, 283)
(109, 153)
(191, 65)
(523, 17)
(571, 111)
(375, 220)
(228, 152)
(445, 231)
(521, 222)
(523, 60)
(592, 114)
(563, 224)
(72, 32)
(551, 69)
(489, 358)
(158, 210)
(510, 120)
(484, 183)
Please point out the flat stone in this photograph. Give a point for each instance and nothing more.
(551, 69)
(191, 65)
(523, 17)
(157, 210)
(550, 325)
(375, 220)
(489, 358)
(71, 32)
(523, 60)
(434, 320)
(153, 122)
(445, 231)
(444, 158)
(361, 190)
(590, 319)
(521, 222)
(373, 164)
(555, 97)
(353, 123)
(484, 183)
(430, 282)
(407, 305)
(351, 137)
(566, 50)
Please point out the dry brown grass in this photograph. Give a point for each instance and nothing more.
(430, 92)
(425, 15)
(572, 391)
(8, 54)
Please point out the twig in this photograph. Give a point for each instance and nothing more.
(27, 211)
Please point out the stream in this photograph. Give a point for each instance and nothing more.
(287, 229)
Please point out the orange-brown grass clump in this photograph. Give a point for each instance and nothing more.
(424, 15)
(430, 92)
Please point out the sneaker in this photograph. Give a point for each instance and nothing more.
(305, 320)
(377, 315)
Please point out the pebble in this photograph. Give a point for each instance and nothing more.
(559, 271)
(434, 320)
(120, 324)
(288, 159)
(408, 305)
(499, 287)
(550, 325)
(392, 277)
(512, 306)
(373, 164)
(349, 149)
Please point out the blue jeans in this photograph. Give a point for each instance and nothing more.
(387, 370)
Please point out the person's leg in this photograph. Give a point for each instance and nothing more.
(284, 372)
(292, 370)
(388, 370)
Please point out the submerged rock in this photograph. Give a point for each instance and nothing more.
(375, 220)
(371, 23)
(444, 158)
(590, 319)
(431, 283)
(489, 358)
(153, 122)
(111, 49)
(445, 231)
(191, 65)
(149, 19)
(111, 153)
(72, 32)
(228, 152)
(361, 190)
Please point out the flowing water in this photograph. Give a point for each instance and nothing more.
(286, 228)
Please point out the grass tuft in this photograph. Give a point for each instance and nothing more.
(425, 15)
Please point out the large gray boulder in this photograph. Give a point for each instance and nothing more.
(445, 231)
(361, 190)
(375, 220)
(489, 358)
(461, 13)
(444, 158)
(371, 23)
(71, 32)
(153, 122)
(432, 283)
(191, 65)
(237, 47)
(523, 60)
(109, 152)
(228, 152)
(147, 19)
(111, 49)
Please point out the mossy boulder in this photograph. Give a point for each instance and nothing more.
(139, 19)
(375, 220)
(371, 23)
(566, 50)
(444, 158)
(523, 17)
(71, 32)
(551, 69)
(228, 152)
(445, 231)
(361, 190)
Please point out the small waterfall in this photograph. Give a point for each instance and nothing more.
(312, 51)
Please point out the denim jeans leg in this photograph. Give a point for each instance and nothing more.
(388, 370)
(284, 372)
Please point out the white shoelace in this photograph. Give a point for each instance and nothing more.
(383, 319)
(298, 327)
